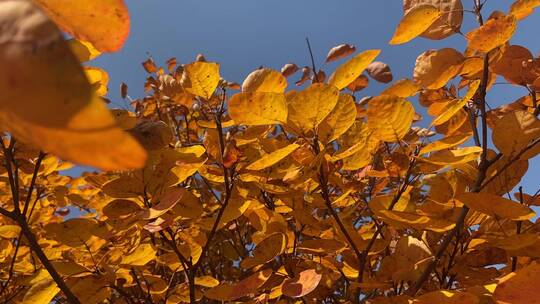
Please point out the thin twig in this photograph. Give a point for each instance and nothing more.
(312, 60)
(33, 182)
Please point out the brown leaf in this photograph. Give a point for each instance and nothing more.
(380, 71)
(150, 66)
(289, 69)
(306, 72)
(340, 51)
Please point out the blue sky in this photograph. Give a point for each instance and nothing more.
(245, 34)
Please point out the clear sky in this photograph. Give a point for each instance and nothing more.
(245, 34)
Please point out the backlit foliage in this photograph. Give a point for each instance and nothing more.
(262, 192)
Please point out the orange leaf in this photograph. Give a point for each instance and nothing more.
(302, 284)
(104, 23)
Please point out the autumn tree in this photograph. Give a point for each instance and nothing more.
(210, 191)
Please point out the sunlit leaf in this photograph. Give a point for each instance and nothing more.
(350, 70)
(390, 117)
(201, 78)
(493, 33)
(258, 108)
(143, 254)
(415, 22)
(523, 8)
(41, 292)
(434, 68)
(494, 205)
(265, 80)
(270, 159)
(445, 143)
(448, 24)
(308, 108)
(514, 132)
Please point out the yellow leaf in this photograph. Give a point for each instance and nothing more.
(84, 51)
(519, 287)
(445, 143)
(523, 8)
(308, 108)
(415, 22)
(5, 249)
(266, 250)
(504, 177)
(358, 146)
(447, 297)
(514, 132)
(416, 221)
(455, 106)
(271, 159)
(98, 79)
(448, 24)
(201, 78)
(104, 23)
(143, 254)
(496, 206)
(495, 32)
(70, 268)
(451, 109)
(402, 88)
(265, 80)
(234, 210)
(390, 117)
(350, 70)
(206, 281)
(434, 68)
(339, 120)
(454, 157)
(382, 202)
(41, 292)
(9, 231)
(186, 167)
(60, 113)
(258, 108)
